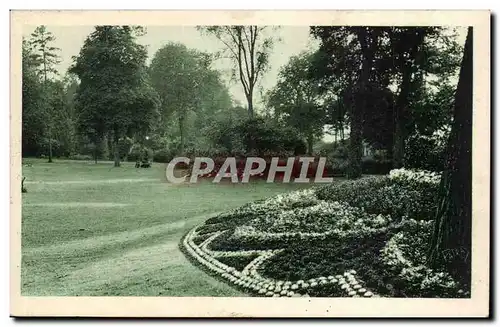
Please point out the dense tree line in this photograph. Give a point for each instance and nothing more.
(391, 88)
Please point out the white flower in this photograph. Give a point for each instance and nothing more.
(419, 176)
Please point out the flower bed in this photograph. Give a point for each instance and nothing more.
(329, 168)
(251, 281)
(238, 262)
(396, 195)
(198, 240)
(405, 255)
(333, 240)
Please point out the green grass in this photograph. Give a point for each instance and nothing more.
(94, 230)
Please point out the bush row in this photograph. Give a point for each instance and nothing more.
(397, 198)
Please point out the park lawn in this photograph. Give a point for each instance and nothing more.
(94, 230)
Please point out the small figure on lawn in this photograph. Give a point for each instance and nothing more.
(144, 161)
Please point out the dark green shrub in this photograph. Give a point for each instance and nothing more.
(163, 155)
(380, 155)
(336, 166)
(381, 195)
(260, 136)
(375, 167)
(139, 153)
(88, 148)
(340, 151)
(124, 146)
(353, 191)
(300, 148)
(57, 149)
(423, 152)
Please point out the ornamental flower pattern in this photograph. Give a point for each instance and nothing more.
(265, 237)
(251, 281)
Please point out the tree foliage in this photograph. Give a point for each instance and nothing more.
(348, 54)
(395, 96)
(44, 58)
(295, 99)
(115, 95)
(190, 90)
(33, 122)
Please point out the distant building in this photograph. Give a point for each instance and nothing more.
(367, 150)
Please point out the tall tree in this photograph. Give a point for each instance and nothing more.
(115, 95)
(368, 41)
(248, 47)
(185, 83)
(46, 58)
(451, 240)
(215, 99)
(410, 54)
(402, 58)
(348, 55)
(32, 101)
(295, 99)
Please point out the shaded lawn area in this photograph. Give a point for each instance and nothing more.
(93, 230)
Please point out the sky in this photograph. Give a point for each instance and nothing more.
(293, 40)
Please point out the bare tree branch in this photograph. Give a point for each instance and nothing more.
(247, 68)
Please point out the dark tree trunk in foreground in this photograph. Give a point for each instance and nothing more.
(451, 240)
(355, 150)
(401, 113)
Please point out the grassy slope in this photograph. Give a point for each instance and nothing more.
(94, 230)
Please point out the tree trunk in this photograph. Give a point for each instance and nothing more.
(355, 146)
(250, 106)
(47, 102)
(399, 144)
(116, 149)
(110, 153)
(50, 146)
(103, 146)
(400, 120)
(181, 129)
(401, 110)
(355, 136)
(451, 241)
(389, 154)
(95, 151)
(310, 144)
